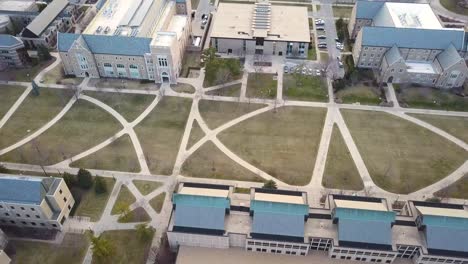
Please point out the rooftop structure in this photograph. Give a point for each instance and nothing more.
(23, 190)
(45, 18)
(18, 5)
(406, 15)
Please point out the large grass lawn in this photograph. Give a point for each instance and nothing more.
(196, 133)
(282, 143)
(209, 162)
(230, 90)
(451, 5)
(25, 75)
(457, 126)
(340, 170)
(342, 11)
(401, 156)
(57, 76)
(33, 113)
(146, 187)
(8, 96)
(71, 251)
(431, 98)
(158, 202)
(123, 84)
(83, 126)
(125, 197)
(128, 248)
(303, 87)
(161, 131)
(222, 75)
(362, 94)
(261, 85)
(183, 88)
(130, 106)
(92, 205)
(217, 113)
(117, 156)
(458, 189)
(139, 214)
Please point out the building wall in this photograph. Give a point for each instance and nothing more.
(321, 244)
(364, 255)
(454, 76)
(371, 57)
(408, 252)
(356, 26)
(237, 240)
(429, 259)
(4, 259)
(13, 57)
(240, 47)
(177, 239)
(277, 247)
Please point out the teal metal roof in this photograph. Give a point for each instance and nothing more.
(8, 40)
(445, 221)
(199, 217)
(279, 208)
(200, 201)
(375, 232)
(368, 9)
(27, 191)
(278, 224)
(446, 233)
(364, 215)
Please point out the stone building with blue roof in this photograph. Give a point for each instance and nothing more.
(406, 43)
(34, 202)
(139, 39)
(12, 52)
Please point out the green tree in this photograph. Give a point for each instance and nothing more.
(102, 248)
(100, 185)
(123, 209)
(3, 169)
(43, 53)
(270, 184)
(70, 179)
(85, 180)
(145, 232)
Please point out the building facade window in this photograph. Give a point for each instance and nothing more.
(82, 61)
(162, 61)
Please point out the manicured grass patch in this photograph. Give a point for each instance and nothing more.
(231, 90)
(127, 248)
(8, 96)
(458, 189)
(26, 74)
(130, 106)
(125, 197)
(161, 131)
(323, 56)
(120, 155)
(342, 11)
(312, 53)
(183, 88)
(431, 98)
(340, 170)
(261, 85)
(194, 4)
(451, 5)
(457, 126)
(209, 162)
(91, 204)
(360, 93)
(219, 71)
(158, 202)
(123, 84)
(137, 215)
(241, 190)
(304, 87)
(196, 133)
(283, 143)
(83, 126)
(33, 113)
(72, 251)
(401, 156)
(217, 113)
(57, 76)
(191, 59)
(146, 187)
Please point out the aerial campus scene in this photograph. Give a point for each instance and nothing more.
(233, 131)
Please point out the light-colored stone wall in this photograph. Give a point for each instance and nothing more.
(236, 47)
(177, 239)
(364, 255)
(277, 247)
(429, 259)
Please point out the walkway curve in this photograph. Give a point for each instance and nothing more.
(15, 106)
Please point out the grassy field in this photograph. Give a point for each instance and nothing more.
(401, 157)
(196, 133)
(183, 88)
(342, 11)
(123, 84)
(83, 126)
(458, 189)
(457, 126)
(430, 98)
(261, 85)
(57, 76)
(158, 202)
(209, 162)
(161, 131)
(217, 113)
(303, 87)
(137, 215)
(221, 76)
(231, 90)
(362, 94)
(128, 248)
(191, 59)
(130, 106)
(312, 53)
(71, 251)
(26, 74)
(117, 156)
(146, 187)
(241, 190)
(33, 113)
(282, 143)
(340, 170)
(124, 197)
(8, 96)
(323, 57)
(451, 5)
(92, 205)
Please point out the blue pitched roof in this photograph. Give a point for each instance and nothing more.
(28, 191)
(104, 44)
(278, 224)
(368, 9)
(413, 37)
(446, 233)
(375, 232)
(8, 40)
(199, 217)
(281, 208)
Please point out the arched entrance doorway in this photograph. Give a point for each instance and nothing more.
(86, 74)
(390, 79)
(164, 77)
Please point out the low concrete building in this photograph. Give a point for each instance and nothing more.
(12, 52)
(262, 29)
(406, 43)
(4, 258)
(34, 202)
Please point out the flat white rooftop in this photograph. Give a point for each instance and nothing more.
(18, 5)
(279, 198)
(287, 23)
(420, 67)
(360, 205)
(407, 15)
(204, 192)
(436, 211)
